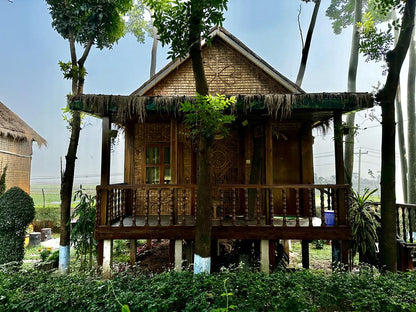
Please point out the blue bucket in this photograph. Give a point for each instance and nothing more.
(329, 217)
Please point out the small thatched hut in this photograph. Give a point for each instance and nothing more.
(16, 139)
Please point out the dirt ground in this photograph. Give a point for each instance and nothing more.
(156, 259)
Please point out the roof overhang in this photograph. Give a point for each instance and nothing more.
(312, 107)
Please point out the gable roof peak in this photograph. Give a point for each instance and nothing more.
(240, 47)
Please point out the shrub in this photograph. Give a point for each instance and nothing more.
(3, 181)
(364, 222)
(82, 234)
(170, 291)
(16, 212)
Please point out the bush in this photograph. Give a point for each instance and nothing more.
(16, 212)
(82, 234)
(298, 291)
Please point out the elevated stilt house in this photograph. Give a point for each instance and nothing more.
(262, 173)
(16, 138)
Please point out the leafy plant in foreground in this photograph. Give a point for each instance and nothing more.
(364, 222)
(82, 234)
(17, 210)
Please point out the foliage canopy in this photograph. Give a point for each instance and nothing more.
(206, 116)
(98, 21)
(172, 18)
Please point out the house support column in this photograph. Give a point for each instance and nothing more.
(108, 252)
(264, 256)
(128, 179)
(305, 254)
(339, 248)
(178, 255)
(268, 145)
(105, 180)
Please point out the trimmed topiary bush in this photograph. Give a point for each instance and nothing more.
(17, 210)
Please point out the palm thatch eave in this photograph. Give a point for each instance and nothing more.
(122, 108)
(13, 126)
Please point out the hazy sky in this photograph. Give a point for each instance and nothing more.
(33, 87)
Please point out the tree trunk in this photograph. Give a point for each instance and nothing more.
(349, 148)
(71, 156)
(402, 143)
(66, 192)
(203, 211)
(400, 129)
(352, 78)
(386, 96)
(305, 49)
(411, 124)
(204, 200)
(154, 52)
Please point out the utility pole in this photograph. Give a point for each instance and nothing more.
(359, 169)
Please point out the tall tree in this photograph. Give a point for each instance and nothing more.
(138, 25)
(373, 44)
(411, 124)
(344, 13)
(306, 46)
(182, 24)
(86, 23)
(400, 127)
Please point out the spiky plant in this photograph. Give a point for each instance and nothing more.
(364, 220)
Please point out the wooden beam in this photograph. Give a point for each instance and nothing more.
(129, 153)
(105, 151)
(230, 232)
(268, 146)
(174, 150)
(268, 137)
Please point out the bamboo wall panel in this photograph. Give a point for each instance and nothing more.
(227, 72)
(18, 168)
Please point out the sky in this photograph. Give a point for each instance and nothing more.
(32, 85)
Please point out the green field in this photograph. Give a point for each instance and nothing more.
(47, 195)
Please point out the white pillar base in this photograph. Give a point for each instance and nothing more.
(264, 256)
(107, 254)
(202, 265)
(178, 255)
(63, 259)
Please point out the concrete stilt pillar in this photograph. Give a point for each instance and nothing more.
(264, 256)
(108, 251)
(178, 255)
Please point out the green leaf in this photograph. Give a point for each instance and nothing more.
(125, 308)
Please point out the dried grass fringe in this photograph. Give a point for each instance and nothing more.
(277, 105)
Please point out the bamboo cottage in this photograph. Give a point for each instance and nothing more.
(16, 139)
(262, 173)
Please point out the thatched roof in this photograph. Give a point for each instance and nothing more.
(237, 45)
(13, 126)
(316, 106)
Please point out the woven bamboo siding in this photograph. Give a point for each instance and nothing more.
(150, 134)
(18, 168)
(227, 72)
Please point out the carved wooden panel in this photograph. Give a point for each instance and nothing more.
(225, 158)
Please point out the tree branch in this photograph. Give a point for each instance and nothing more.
(300, 27)
(84, 56)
